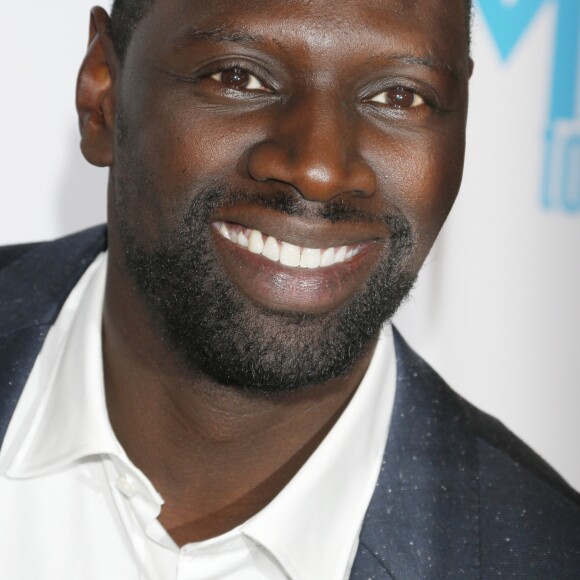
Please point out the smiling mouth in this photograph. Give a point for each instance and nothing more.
(285, 253)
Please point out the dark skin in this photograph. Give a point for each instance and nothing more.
(365, 103)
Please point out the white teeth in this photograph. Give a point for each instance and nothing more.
(242, 239)
(256, 242)
(340, 254)
(283, 252)
(310, 258)
(224, 231)
(271, 249)
(289, 255)
(327, 258)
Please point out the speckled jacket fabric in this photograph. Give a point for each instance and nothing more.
(458, 496)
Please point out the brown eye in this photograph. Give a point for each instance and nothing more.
(399, 98)
(238, 79)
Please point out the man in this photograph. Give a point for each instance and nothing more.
(217, 395)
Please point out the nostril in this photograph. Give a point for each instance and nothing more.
(360, 193)
(267, 161)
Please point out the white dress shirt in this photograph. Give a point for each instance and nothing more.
(73, 505)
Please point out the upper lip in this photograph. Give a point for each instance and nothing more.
(302, 231)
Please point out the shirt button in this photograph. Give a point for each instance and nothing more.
(126, 485)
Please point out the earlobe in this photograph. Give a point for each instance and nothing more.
(95, 95)
(471, 67)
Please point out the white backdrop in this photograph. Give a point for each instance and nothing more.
(496, 310)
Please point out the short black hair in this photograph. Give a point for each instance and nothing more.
(126, 14)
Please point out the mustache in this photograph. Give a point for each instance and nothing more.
(293, 204)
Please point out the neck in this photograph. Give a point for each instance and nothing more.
(171, 421)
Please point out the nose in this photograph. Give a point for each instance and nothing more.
(313, 145)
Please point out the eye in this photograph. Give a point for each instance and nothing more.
(399, 98)
(239, 80)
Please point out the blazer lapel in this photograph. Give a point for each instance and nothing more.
(368, 567)
(422, 521)
(33, 289)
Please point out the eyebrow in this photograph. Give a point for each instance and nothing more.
(218, 34)
(424, 62)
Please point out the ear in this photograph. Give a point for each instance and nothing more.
(95, 96)
(471, 67)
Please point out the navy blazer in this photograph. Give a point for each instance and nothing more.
(458, 495)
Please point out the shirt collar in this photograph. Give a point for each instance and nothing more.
(312, 526)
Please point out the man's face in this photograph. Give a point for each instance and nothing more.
(326, 136)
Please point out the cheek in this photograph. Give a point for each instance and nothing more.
(190, 141)
(420, 175)
(172, 150)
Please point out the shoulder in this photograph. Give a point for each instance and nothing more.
(529, 517)
(35, 279)
(74, 246)
(10, 253)
(523, 502)
(494, 440)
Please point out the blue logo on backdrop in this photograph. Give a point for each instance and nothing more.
(508, 21)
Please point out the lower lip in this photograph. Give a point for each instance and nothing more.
(286, 289)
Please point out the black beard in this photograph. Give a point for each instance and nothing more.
(219, 331)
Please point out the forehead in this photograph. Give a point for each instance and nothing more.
(425, 27)
(320, 11)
